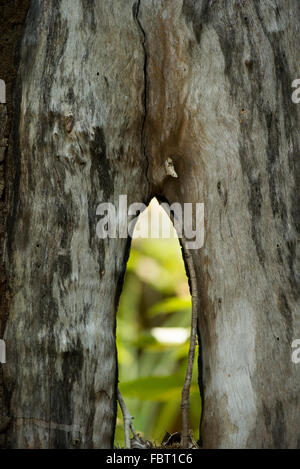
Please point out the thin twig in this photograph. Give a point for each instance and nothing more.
(185, 396)
(137, 441)
(127, 420)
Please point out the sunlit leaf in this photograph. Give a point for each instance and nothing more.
(170, 305)
(155, 388)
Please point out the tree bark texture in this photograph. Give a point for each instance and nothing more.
(106, 92)
(79, 116)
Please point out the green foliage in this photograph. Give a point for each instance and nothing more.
(152, 369)
(155, 388)
(171, 305)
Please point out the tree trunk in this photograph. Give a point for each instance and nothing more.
(106, 92)
(78, 124)
(221, 84)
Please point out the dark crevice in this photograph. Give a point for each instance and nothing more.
(136, 11)
(13, 17)
(200, 382)
(119, 287)
(196, 13)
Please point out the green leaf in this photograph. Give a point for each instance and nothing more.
(170, 305)
(155, 388)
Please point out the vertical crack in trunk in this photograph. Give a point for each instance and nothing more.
(136, 10)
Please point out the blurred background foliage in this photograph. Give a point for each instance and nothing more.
(153, 331)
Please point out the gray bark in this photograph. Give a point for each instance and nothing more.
(106, 92)
(221, 82)
(85, 60)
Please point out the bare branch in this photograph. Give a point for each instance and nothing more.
(185, 397)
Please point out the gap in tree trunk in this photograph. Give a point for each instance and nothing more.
(153, 331)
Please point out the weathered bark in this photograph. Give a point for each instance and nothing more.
(106, 93)
(221, 84)
(12, 17)
(79, 116)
